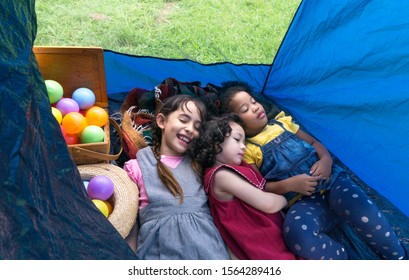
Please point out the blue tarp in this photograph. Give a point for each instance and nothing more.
(124, 72)
(343, 72)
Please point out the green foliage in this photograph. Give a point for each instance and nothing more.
(239, 31)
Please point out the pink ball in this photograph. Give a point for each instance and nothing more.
(67, 105)
(100, 187)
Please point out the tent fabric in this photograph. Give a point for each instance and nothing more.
(124, 72)
(342, 71)
(45, 212)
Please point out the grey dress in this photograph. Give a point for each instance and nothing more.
(170, 230)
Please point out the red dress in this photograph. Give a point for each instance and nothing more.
(249, 233)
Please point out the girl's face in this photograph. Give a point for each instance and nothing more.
(233, 146)
(250, 111)
(179, 128)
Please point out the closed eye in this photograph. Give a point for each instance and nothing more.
(197, 126)
(244, 109)
(184, 119)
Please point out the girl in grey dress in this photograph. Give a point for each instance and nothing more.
(176, 223)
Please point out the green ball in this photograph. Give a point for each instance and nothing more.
(92, 134)
(54, 90)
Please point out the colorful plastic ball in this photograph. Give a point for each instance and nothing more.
(101, 206)
(74, 123)
(67, 105)
(96, 116)
(85, 184)
(84, 97)
(83, 112)
(54, 90)
(72, 139)
(100, 187)
(110, 208)
(57, 114)
(63, 131)
(92, 134)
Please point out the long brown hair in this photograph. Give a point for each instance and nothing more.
(170, 105)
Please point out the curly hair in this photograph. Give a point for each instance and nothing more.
(213, 132)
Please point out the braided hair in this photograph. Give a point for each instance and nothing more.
(170, 105)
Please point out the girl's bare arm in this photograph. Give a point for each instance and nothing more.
(227, 184)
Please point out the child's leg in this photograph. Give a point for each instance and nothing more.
(304, 230)
(352, 204)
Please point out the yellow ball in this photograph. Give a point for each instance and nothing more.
(110, 208)
(101, 205)
(57, 114)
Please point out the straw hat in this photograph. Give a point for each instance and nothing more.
(125, 200)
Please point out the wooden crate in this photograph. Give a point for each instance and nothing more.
(75, 67)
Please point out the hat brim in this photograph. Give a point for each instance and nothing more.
(125, 200)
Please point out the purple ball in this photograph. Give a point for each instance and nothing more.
(100, 187)
(67, 105)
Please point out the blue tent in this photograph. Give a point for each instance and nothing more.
(343, 70)
(340, 71)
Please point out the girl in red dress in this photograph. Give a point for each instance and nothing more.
(248, 218)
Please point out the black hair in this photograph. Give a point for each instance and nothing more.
(213, 132)
(227, 92)
(212, 103)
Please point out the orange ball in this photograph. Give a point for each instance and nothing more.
(96, 116)
(74, 123)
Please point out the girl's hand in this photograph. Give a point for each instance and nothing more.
(322, 168)
(303, 184)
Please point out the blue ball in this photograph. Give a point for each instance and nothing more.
(85, 184)
(84, 97)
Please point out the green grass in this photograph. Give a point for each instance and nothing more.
(238, 31)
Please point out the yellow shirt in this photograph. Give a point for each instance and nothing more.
(253, 152)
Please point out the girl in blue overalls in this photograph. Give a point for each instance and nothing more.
(320, 194)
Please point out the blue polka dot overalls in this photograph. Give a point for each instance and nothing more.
(311, 217)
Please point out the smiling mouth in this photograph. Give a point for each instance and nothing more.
(184, 138)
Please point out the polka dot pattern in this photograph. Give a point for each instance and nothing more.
(311, 217)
